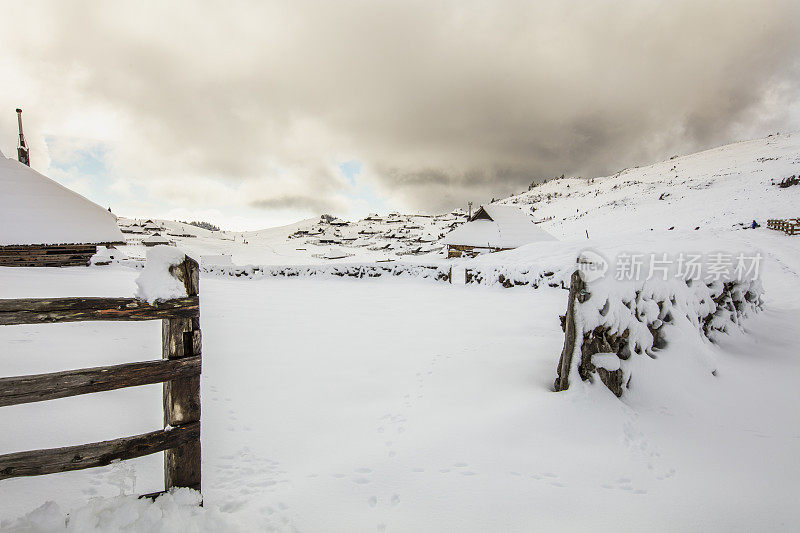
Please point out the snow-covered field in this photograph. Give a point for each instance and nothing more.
(350, 405)
(413, 405)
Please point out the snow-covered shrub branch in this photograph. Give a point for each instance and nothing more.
(515, 276)
(352, 270)
(609, 322)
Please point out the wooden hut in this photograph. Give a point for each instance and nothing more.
(494, 228)
(42, 223)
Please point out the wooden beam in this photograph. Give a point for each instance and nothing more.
(576, 286)
(40, 387)
(46, 310)
(180, 338)
(54, 460)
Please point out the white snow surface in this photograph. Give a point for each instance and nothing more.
(155, 283)
(175, 511)
(36, 210)
(609, 361)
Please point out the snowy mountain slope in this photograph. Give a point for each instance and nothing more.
(714, 189)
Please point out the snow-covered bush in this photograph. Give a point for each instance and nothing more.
(106, 255)
(613, 322)
(352, 270)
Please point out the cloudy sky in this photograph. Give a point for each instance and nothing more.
(255, 114)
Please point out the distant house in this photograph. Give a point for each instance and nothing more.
(135, 228)
(43, 223)
(155, 239)
(494, 228)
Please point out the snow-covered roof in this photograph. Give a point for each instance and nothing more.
(156, 238)
(498, 226)
(36, 210)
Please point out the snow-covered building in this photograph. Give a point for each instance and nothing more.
(155, 239)
(494, 228)
(42, 223)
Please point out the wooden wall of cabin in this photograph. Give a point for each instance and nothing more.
(39, 255)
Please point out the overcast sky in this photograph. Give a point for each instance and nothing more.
(253, 114)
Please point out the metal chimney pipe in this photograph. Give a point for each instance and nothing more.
(23, 154)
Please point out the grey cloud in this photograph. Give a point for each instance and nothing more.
(443, 101)
(310, 203)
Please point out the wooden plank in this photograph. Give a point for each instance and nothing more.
(45, 310)
(40, 387)
(181, 338)
(83, 248)
(576, 286)
(54, 460)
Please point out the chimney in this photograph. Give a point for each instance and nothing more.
(22, 150)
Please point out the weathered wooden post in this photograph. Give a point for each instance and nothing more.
(180, 337)
(576, 287)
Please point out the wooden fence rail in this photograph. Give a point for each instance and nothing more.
(178, 369)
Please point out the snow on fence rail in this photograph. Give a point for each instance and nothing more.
(179, 370)
(607, 323)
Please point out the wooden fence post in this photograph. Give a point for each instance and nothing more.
(576, 286)
(180, 337)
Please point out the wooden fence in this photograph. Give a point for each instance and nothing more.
(790, 226)
(178, 369)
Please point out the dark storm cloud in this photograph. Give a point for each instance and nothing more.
(442, 101)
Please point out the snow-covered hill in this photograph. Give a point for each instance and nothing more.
(374, 238)
(721, 189)
(714, 189)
